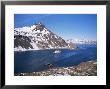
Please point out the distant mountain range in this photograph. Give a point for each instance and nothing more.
(38, 37)
(81, 41)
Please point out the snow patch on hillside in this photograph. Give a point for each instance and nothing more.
(37, 37)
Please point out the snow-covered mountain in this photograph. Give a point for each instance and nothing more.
(37, 37)
(81, 41)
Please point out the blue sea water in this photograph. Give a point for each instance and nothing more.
(32, 61)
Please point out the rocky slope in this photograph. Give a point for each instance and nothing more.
(37, 37)
(88, 68)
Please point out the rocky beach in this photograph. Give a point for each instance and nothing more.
(88, 68)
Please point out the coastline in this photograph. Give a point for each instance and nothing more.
(43, 49)
(88, 68)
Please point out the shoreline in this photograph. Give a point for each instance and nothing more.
(43, 49)
(88, 68)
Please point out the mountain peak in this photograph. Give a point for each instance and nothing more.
(39, 38)
(39, 23)
(39, 26)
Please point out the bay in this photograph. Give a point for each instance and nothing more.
(37, 60)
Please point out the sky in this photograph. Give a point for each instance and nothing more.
(67, 26)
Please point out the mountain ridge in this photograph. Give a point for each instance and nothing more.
(38, 37)
(81, 41)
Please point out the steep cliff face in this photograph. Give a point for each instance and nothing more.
(37, 37)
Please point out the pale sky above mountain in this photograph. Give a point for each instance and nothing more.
(81, 26)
